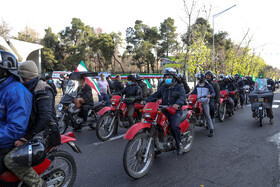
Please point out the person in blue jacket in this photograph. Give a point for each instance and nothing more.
(172, 93)
(204, 92)
(15, 106)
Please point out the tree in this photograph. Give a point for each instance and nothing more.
(28, 35)
(4, 30)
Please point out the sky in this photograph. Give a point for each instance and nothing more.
(259, 16)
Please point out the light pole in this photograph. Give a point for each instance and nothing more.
(216, 15)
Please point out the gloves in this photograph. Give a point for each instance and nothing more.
(132, 99)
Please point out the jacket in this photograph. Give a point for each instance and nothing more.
(216, 88)
(186, 86)
(240, 84)
(132, 91)
(204, 90)
(53, 87)
(170, 95)
(15, 109)
(228, 86)
(43, 111)
(117, 85)
(86, 94)
(144, 88)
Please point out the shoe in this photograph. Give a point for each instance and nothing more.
(211, 133)
(271, 120)
(180, 149)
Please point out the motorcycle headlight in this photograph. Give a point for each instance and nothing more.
(190, 101)
(113, 102)
(60, 106)
(147, 115)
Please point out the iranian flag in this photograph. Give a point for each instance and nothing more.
(89, 80)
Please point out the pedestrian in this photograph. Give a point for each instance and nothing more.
(104, 90)
(118, 86)
(49, 81)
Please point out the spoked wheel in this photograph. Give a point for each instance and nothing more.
(62, 125)
(135, 162)
(62, 171)
(187, 138)
(106, 126)
(222, 112)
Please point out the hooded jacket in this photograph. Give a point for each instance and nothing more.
(204, 90)
(15, 109)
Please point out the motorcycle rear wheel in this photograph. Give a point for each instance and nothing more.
(63, 166)
(222, 112)
(133, 160)
(105, 127)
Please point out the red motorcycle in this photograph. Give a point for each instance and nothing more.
(153, 137)
(224, 106)
(58, 169)
(114, 116)
(195, 111)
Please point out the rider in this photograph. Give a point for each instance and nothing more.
(204, 92)
(49, 81)
(142, 85)
(271, 83)
(221, 79)
(84, 92)
(228, 86)
(240, 84)
(133, 94)
(214, 102)
(117, 85)
(15, 110)
(172, 93)
(184, 83)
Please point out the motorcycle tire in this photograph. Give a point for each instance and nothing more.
(62, 126)
(222, 112)
(60, 171)
(190, 138)
(261, 118)
(138, 156)
(100, 126)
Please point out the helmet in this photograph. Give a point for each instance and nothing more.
(221, 76)
(236, 76)
(137, 77)
(9, 62)
(30, 154)
(226, 77)
(200, 76)
(209, 73)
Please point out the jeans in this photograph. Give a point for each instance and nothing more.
(104, 97)
(84, 112)
(206, 111)
(241, 97)
(212, 106)
(231, 104)
(174, 121)
(130, 112)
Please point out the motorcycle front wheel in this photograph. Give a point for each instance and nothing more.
(106, 126)
(222, 111)
(134, 161)
(187, 138)
(62, 171)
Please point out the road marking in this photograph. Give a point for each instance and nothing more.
(275, 106)
(111, 139)
(276, 101)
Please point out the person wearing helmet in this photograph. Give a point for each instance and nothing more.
(205, 92)
(49, 81)
(221, 79)
(229, 86)
(240, 84)
(271, 84)
(42, 122)
(142, 85)
(183, 81)
(172, 93)
(133, 94)
(214, 102)
(15, 110)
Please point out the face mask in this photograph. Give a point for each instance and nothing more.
(168, 81)
(160, 79)
(129, 82)
(50, 81)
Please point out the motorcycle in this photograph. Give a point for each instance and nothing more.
(224, 106)
(58, 169)
(153, 137)
(195, 111)
(246, 89)
(69, 113)
(114, 116)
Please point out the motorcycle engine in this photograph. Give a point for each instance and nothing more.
(73, 109)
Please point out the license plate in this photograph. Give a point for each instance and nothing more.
(260, 99)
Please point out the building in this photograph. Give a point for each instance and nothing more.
(23, 50)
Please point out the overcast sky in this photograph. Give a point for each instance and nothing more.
(259, 16)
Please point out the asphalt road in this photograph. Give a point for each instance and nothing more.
(240, 154)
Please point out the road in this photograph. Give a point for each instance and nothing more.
(240, 154)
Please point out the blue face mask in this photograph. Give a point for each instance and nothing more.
(160, 79)
(50, 81)
(129, 82)
(168, 81)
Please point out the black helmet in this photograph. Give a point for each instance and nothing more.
(200, 76)
(209, 73)
(236, 76)
(221, 76)
(30, 154)
(137, 77)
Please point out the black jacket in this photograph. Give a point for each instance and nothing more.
(240, 84)
(132, 91)
(53, 87)
(85, 93)
(186, 86)
(229, 86)
(117, 85)
(43, 110)
(170, 95)
(216, 88)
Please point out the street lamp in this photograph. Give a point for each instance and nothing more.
(216, 15)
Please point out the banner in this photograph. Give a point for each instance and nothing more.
(89, 80)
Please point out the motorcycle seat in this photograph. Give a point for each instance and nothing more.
(184, 116)
(97, 105)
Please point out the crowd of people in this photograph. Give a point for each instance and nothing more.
(27, 104)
